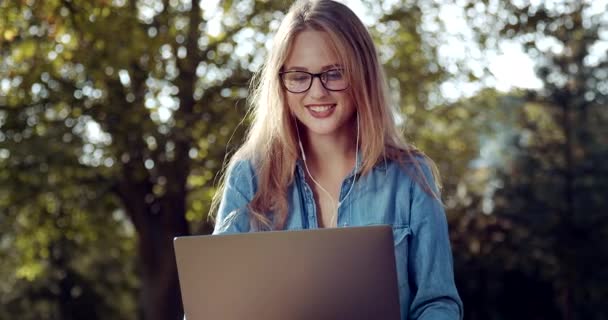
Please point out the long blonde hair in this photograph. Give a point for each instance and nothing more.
(271, 142)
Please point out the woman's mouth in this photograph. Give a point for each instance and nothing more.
(321, 111)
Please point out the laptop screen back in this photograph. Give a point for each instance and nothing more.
(340, 273)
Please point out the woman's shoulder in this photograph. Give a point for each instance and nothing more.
(240, 168)
(415, 166)
(240, 175)
(407, 160)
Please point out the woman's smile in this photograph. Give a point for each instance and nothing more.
(321, 111)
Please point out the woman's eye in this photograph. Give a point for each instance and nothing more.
(334, 75)
(298, 77)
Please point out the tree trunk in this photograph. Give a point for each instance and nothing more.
(157, 219)
(160, 297)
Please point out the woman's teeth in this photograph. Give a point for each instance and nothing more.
(321, 108)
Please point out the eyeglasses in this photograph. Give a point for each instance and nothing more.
(301, 81)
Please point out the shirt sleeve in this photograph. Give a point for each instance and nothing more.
(430, 264)
(239, 188)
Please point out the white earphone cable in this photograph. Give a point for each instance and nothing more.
(334, 220)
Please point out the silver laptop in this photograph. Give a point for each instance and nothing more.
(339, 273)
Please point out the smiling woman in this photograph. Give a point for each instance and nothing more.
(324, 151)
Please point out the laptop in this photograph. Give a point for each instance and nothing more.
(322, 274)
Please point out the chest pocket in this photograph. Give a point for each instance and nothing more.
(402, 236)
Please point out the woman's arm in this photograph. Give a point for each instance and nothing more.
(239, 188)
(431, 271)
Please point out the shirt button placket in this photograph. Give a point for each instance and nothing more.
(310, 207)
(342, 220)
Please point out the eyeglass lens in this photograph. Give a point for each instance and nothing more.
(300, 81)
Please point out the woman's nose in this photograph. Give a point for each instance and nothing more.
(317, 89)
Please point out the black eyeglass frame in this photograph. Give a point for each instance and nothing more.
(312, 78)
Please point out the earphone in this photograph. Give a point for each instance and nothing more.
(339, 203)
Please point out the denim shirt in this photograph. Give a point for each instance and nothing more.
(385, 195)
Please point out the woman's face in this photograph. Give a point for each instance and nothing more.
(323, 112)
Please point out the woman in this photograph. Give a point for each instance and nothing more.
(324, 151)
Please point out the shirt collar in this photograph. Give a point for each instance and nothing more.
(381, 165)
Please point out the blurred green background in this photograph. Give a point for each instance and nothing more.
(116, 116)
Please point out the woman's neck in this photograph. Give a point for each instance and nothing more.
(330, 155)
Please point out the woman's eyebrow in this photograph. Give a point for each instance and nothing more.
(332, 66)
(327, 67)
(296, 69)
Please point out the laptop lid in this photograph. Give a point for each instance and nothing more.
(338, 273)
